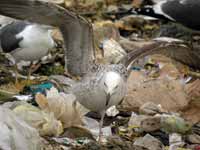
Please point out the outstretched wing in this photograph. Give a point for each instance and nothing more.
(76, 31)
(134, 55)
(176, 51)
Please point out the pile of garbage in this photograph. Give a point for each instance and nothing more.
(45, 116)
(56, 119)
(160, 112)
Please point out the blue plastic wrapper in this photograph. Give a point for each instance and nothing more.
(38, 88)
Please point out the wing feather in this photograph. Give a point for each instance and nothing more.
(77, 31)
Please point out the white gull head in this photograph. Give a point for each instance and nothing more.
(112, 81)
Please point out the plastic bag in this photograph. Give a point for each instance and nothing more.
(45, 123)
(64, 106)
(17, 134)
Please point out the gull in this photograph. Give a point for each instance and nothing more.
(184, 12)
(101, 85)
(25, 41)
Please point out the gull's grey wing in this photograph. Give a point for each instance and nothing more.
(76, 31)
(148, 49)
(176, 51)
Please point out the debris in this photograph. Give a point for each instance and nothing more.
(151, 124)
(174, 124)
(5, 96)
(193, 138)
(135, 121)
(77, 132)
(193, 90)
(145, 123)
(160, 110)
(23, 97)
(169, 93)
(112, 51)
(38, 88)
(71, 142)
(162, 136)
(137, 3)
(104, 30)
(44, 122)
(64, 107)
(112, 111)
(130, 23)
(93, 126)
(150, 108)
(16, 133)
(116, 142)
(175, 141)
(149, 142)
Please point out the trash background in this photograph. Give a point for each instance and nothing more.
(162, 104)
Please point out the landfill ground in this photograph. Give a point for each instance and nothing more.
(161, 110)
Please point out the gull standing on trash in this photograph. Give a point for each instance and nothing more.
(101, 86)
(25, 41)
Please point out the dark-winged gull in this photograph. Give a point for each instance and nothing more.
(102, 85)
(26, 41)
(185, 12)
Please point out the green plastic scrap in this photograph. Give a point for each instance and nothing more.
(175, 124)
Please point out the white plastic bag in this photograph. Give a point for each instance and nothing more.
(17, 134)
(64, 106)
